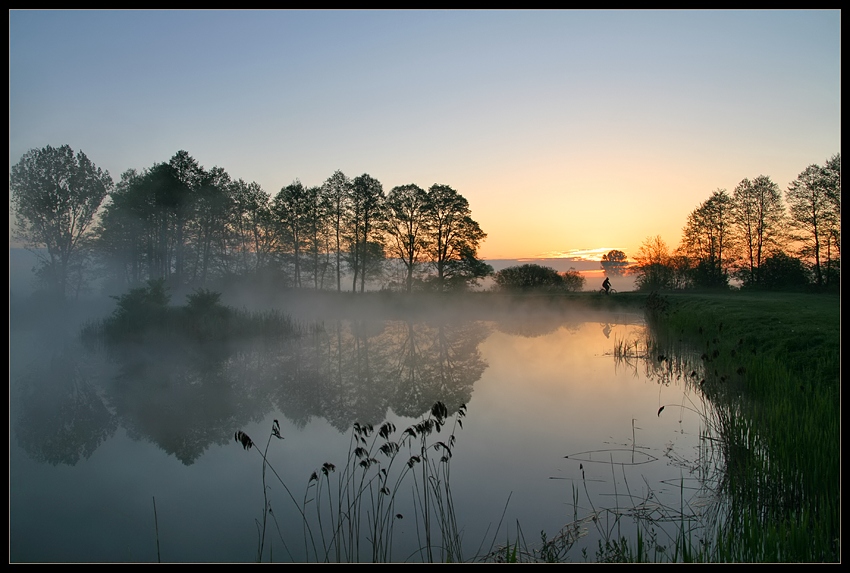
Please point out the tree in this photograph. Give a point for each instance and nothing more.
(212, 213)
(708, 239)
(465, 271)
(337, 190)
(365, 215)
(453, 232)
(780, 271)
(181, 199)
(653, 265)
(758, 215)
(254, 235)
(573, 281)
(530, 277)
(614, 263)
(814, 203)
(406, 227)
(55, 195)
(291, 207)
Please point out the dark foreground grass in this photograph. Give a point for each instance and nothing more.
(772, 363)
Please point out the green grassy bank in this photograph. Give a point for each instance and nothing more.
(772, 364)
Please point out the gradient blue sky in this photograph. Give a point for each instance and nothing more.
(565, 130)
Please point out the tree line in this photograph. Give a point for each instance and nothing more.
(189, 225)
(751, 236)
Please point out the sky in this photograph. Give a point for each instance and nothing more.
(570, 133)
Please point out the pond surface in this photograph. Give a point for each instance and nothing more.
(128, 455)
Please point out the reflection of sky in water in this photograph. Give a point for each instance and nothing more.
(552, 393)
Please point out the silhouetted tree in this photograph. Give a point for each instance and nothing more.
(453, 232)
(254, 236)
(365, 215)
(55, 195)
(465, 271)
(780, 271)
(406, 227)
(614, 263)
(530, 277)
(814, 204)
(758, 216)
(290, 208)
(653, 270)
(708, 239)
(337, 190)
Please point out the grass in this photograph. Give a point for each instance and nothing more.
(772, 371)
(349, 512)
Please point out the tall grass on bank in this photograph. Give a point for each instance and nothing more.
(772, 364)
(349, 512)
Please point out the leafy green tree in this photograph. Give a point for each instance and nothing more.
(758, 216)
(453, 232)
(55, 195)
(614, 263)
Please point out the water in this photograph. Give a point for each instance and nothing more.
(558, 430)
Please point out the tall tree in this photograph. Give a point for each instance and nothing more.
(125, 233)
(252, 228)
(337, 190)
(290, 208)
(758, 214)
(406, 227)
(708, 239)
(453, 232)
(813, 200)
(55, 195)
(365, 214)
(181, 198)
(212, 212)
(316, 233)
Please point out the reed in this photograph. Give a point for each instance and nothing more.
(771, 365)
(348, 513)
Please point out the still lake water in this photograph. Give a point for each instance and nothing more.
(557, 429)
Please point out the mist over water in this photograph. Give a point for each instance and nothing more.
(99, 431)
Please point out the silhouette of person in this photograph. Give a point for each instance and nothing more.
(606, 285)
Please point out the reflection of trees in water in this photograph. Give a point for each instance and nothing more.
(185, 396)
(188, 396)
(436, 362)
(62, 418)
(359, 370)
(536, 324)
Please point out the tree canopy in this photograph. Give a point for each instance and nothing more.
(55, 195)
(531, 277)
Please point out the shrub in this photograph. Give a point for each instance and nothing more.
(538, 278)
